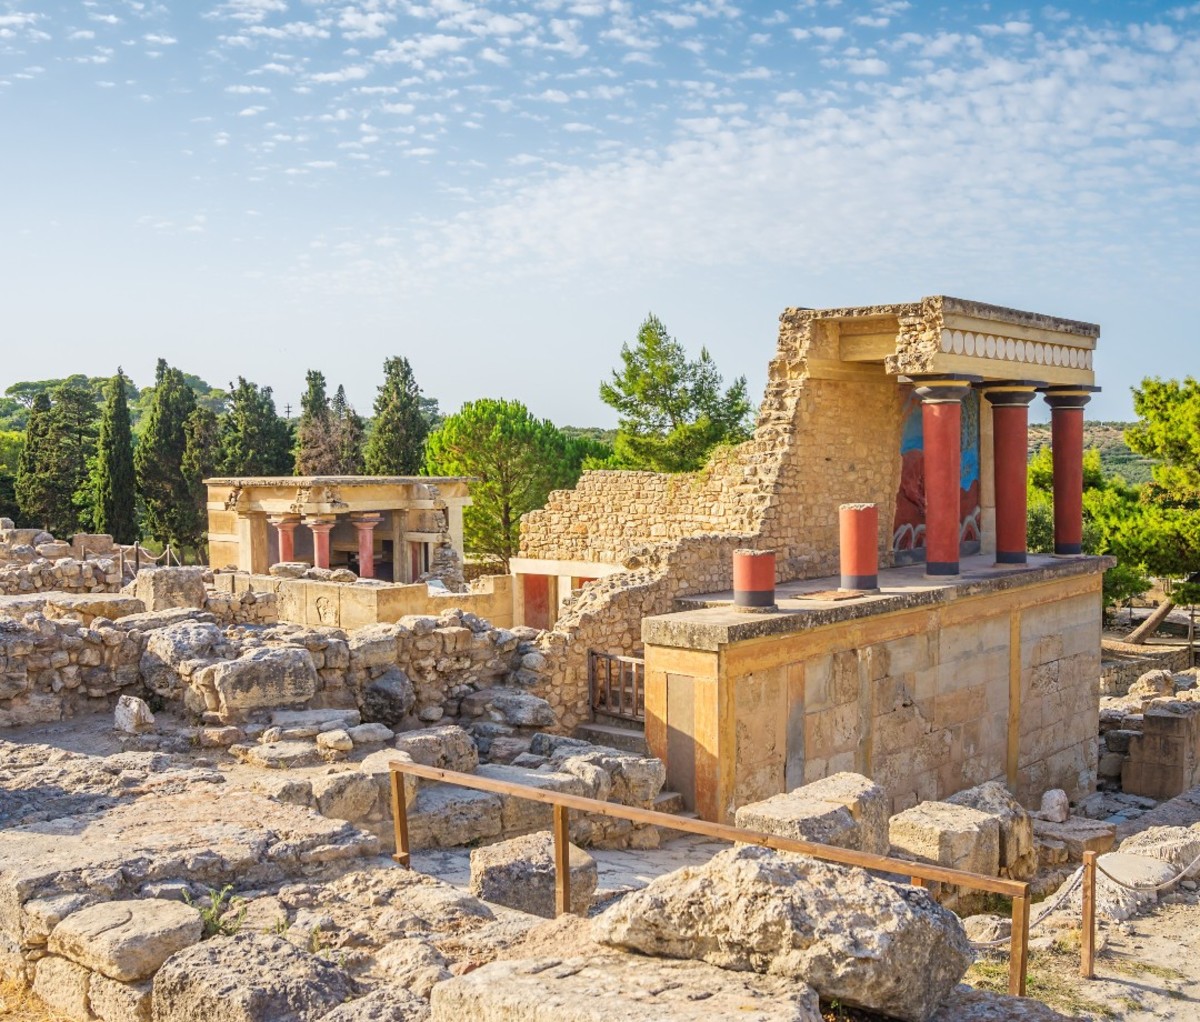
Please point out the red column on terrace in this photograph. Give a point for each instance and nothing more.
(365, 524)
(941, 418)
(1010, 455)
(1066, 441)
(321, 527)
(285, 526)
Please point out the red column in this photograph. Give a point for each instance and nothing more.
(941, 416)
(1010, 456)
(1066, 439)
(286, 528)
(365, 524)
(321, 527)
(858, 541)
(754, 579)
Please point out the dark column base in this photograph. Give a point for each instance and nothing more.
(753, 598)
(1067, 549)
(865, 583)
(1011, 557)
(941, 569)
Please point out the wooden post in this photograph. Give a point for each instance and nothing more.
(917, 882)
(1019, 947)
(1087, 943)
(400, 819)
(562, 860)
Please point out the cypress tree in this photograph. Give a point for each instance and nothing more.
(396, 446)
(317, 447)
(113, 480)
(255, 441)
(159, 456)
(351, 431)
(32, 486)
(201, 442)
(71, 448)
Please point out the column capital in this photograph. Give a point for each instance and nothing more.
(320, 524)
(1070, 396)
(366, 519)
(284, 521)
(941, 388)
(1010, 393)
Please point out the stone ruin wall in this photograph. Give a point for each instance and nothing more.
(62, 656)
(818, 443)
(33, 561)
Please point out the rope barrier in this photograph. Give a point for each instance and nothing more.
(1063, 894)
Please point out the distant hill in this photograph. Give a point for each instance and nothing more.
(1115, 456)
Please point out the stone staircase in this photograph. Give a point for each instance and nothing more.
(627, 739)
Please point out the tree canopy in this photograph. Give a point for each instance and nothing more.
(255, 441)
(114, 484)
(517, 460)
(396, 445)
(673, 411)
(165, 491)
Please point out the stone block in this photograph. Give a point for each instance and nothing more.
(793, 815)
(520, 874)
(389, 698)
(63, 987)
(623, 987)
(126, 940)
(167, 588)
(113, 1001)
(1078, 834)
(521, 815)
(448, 747)
(132, 715)
(443, 816)
(264, 678)
(351, 795)
(1018, 857)
(949, 835)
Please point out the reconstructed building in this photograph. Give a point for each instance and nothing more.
(972, 662)
(384, 527)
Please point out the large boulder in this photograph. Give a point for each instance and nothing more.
(844, 809)
(169, 648)
(249, 977)
(259, 679)
(856, 939)
(389, 698)
(520, 874)
(508, 706)
(1018, 856)
(624, 988)
(1178, 846)
(448, 747)
(126, 940)
(165, 588)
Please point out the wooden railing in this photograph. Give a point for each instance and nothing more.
(920, 873)
(617, 685)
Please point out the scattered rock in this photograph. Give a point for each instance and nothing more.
(386, 1004)
(448, 747)
(132, 715)
(389, 698)
(1056, 807)
(371, 734)
(126, 940)
(335, 741)
(1018, 856)
(520, 874)
(854, 938)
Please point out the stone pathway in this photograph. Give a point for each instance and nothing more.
(620, 871)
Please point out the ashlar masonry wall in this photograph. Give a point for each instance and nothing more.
(993, 682)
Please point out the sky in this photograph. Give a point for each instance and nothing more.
(502, 191)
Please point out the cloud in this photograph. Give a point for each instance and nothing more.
(867, 66)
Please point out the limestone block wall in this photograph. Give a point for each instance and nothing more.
(65, 574)
(925, 701)
(350, 605)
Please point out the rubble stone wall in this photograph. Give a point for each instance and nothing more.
(1124, 663)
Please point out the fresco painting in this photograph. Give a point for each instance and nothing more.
(908, 535)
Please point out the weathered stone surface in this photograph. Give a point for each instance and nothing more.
(632, 780)
(949, 835)
(132, 715)
(376, 767)
(519, 873)
(621, 987)
(337, 740)
(520, 815)
(966, 1004)
(278, 755)
(1056, 807)
(1079, 835)
(345, 796)
(289, 569)
(1152, 685)
(168, 648)
(112, 1001)
(844, 809)
(263, 678)
(1178, 846)
(371, 734)
(63, 986)
(444, 816)
(320, 719)
(413, 964)
(1018, 857)
(1115, 901)
(854, 938)
(389, 698)
(867, 801)
(508, 706)
(252, 978)
(386, 1004)
(448, 747)
(166, 588)
(126, 940)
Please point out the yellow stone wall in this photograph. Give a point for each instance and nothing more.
(927, 701)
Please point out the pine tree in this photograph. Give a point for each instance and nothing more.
(351, 432)
(71, 447)
(113, 483)
(33, 491)
(318, 448)
(159, 456)
(396, 446)
(255, 441)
